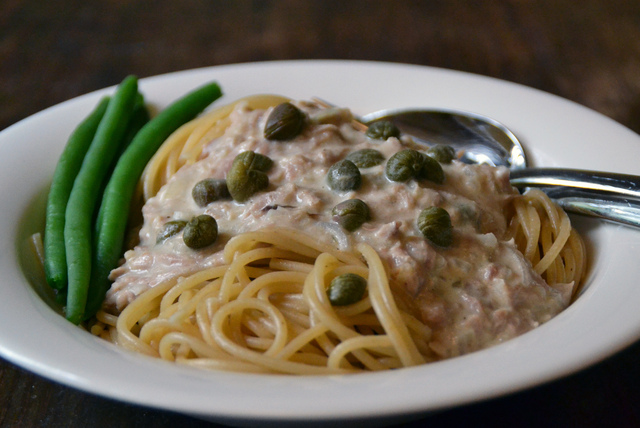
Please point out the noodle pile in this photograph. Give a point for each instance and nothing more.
(543, 233)
(266, 309)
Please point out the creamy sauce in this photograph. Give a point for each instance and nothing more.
(479, 292)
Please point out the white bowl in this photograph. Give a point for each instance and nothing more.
(554, 131)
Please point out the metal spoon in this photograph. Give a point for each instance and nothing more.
(480, 139)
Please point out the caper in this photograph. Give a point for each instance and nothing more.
(442, 153)
(346, 289)
(209, 190)
(248, 175)
(366, 158)
(435, 225)
(407, 164)
(200, 232)
(170, 228)
(344, 175)
(431, 170)
(284, 123)
(382, 130)
(404, 165)
(351, 214)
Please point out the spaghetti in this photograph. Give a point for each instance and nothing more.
(185, 145)
(263, 306)
(266, 310)
(543, 233)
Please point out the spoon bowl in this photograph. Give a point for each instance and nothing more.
(478, 138)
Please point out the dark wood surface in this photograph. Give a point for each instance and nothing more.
(587, 51)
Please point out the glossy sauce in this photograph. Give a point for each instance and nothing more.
(477, 293)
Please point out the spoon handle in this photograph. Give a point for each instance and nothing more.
(601, 205)
(602, 182)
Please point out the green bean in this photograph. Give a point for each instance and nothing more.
(118, 194)
(139, 118)
(84, 196)
(55, 262)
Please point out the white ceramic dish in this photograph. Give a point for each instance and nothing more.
(555, 132)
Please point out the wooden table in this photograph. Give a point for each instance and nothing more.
(587, 51)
